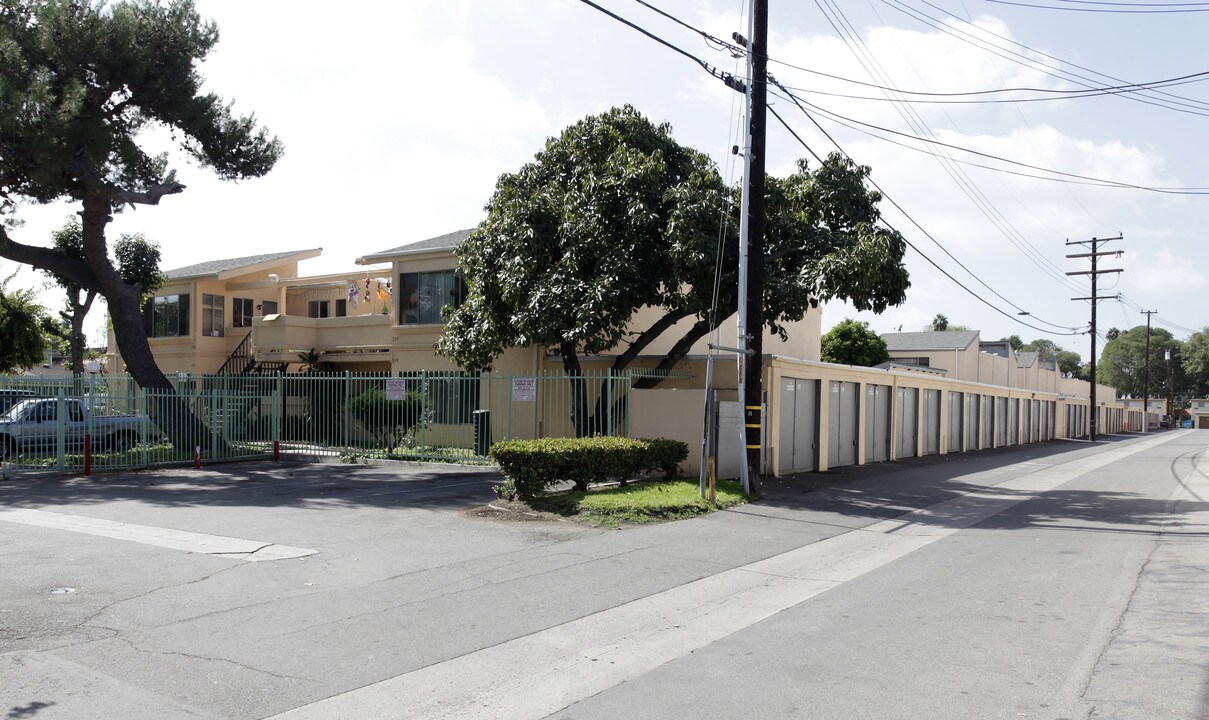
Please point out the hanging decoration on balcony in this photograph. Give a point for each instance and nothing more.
(352, 294)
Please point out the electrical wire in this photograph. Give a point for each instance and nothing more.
(1134, 8)
(1178, 103)
(912, 245)
(981, 202)
(1085, 179)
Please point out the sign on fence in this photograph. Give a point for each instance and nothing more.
(396, 389)
(524, 389)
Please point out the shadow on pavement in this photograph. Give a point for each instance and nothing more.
(266, 484)
(884, 491)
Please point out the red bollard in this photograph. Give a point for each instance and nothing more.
(197, 456)
(276, 451)
(87, 454)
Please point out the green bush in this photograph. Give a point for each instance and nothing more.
(387, 420)
(532, 466)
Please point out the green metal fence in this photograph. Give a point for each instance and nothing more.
(98, 423)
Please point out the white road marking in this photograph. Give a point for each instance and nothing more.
(539, 674)
(237, 548)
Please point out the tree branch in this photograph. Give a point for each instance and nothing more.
(647, 337)
(699, 330)
(150, 196)
(49, 259)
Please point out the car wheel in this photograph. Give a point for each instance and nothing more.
(121, 442)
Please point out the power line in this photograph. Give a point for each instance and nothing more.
(1177, 102)
(963, 181)
(912, 245)
(1133, 8)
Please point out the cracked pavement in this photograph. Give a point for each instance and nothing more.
(1081, 602)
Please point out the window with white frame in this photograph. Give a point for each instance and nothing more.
(212, 315)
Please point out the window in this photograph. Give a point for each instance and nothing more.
(166, 316)
(423, 295)
(270, 307)
(212, 315)
(241, 312)
(317, 308)
(341, 308)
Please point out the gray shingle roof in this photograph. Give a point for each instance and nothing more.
(1002, 348)
(448, 241)
(1025, 359)
(212, 268)
(908, 341)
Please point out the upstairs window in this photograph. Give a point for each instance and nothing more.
(241, 312)
(423, 295)
(318, 308)
(212, 315)
(166, 316)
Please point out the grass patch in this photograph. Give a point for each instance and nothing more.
(641, 502)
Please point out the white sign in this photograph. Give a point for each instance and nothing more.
(524, 389)
(396, 389)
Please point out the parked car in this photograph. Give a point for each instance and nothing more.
(33, 425)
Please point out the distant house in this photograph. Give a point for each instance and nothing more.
(1199, 408)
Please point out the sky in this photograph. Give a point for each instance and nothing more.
(398, 117)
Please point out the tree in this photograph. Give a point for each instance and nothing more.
(1046, 349)
(1070, 362)
(1112, 334)
(614, 215)
(940, 323)
(137, 263)
(82, 81)
(1123, 363)
(22, 336)
(1193, 362)
(852, 343)
(1014, 341)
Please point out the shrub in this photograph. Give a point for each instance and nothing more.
(532, 466)
(387, 420)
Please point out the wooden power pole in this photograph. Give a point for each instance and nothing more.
(1095, 272)
(753, 398)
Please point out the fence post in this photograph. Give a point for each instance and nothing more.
(140, 399)
(275, 408)
(61, 429)
(347, 388)
(213, 422)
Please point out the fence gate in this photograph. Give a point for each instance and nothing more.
(906, 413)
(799, 440)
(931, 422)
(842, 424)
(877, 423)
(953, 439)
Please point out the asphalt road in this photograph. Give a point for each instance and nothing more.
(1064, 580)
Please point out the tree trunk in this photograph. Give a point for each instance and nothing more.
(168, 410)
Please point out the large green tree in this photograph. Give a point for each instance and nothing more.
(81, 83)
(852, 342)
(1124, 361)
(1193, 364)
(614, 215)
(22, 330)
(137, 260)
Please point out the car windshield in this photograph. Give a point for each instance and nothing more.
(16, 411)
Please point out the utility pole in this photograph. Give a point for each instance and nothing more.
(1146, 377)
(751, 320)
(1095, 273)
(1170, 417)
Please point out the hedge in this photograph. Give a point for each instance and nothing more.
(531, 466)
